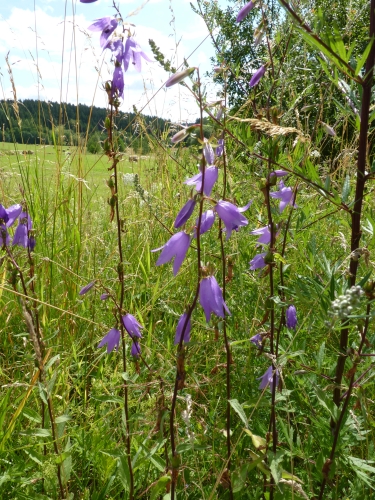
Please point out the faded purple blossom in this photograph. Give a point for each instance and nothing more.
(21, 235)
(185, 213)
(267, 379)
(264, 234)
(258, 261)
(257, 340)
(135, 349)
(112, 339)
(86, 288)
(134, 54)
(208, 153)
(207, 220)
(179, 136)
(210, 177)
(31, 243)
(104, 296)
(176, 247)
(257, 76)
(291, 317)
(230, 215)
(106, 25)
(132, 326)
(178, 77)
(211, 298)
(244, 11)
(180, 327)
(285, 195)
(328, 129)
(220, 148)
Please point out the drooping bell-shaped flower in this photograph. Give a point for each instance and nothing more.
(106, 25)
(176, 247)
(207, 220)
(185, 213)
(134, 54)
(13, 213)
(291, 317)
(180, 327)
(132, 326)
(112, 339)
(244, 11)
(211, 298)
(220, 147)
(255, 79)
(208, 153)
(257, 340)
(264, 234)
(267, 379)
(231, 216)
(86, 288)
(285, 195)
(21, 235)
(118, 83)
(135, 349)
(258, 261)
(210, 177)
(178, 77)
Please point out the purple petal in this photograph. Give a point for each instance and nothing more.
(13, 212)
(257, 340)
(104, 296)
(267, 379)
(185, 213)
(244, 12)
(265, 235)
(112, 339)
(291, 317)
(220, 148)
(180, 327)
(210, 177)
(177, 246)
(132, 326)
(230, 215)
(118, 82)
(211, 298)
(208, 153)
(258, 261)
(135, 350)
(257, 76)
(4, 217)
(86, 288)
(207, 220)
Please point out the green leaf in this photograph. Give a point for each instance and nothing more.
(238, 408)
(258, 442)
(160, 487)
(32, 415)
(345, 189)
(363, 58)
(123, 471)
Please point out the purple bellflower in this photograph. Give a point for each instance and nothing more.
(291, 317)
(267, 379)
(176, 247)
(231, 216)
(118, 83)
(255, 79)
(178, 77)
(86, 288)
(180, 327)
(210, 177)
(104, 296)
(207, 220)
(257, 340)
(185, 213)
(132, 326)
(278, 173)
(87, 1)
(135, 350)
(112, 339)
(258, 261)
(106, 25)
(220, 148)
(264, 234)
(211, 298)
(208, 153)
(285, 195)
(134, 53)
(244, 12)
(21, 235)
(4, 217)
(13, 213)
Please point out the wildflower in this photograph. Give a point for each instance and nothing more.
(21, 235)
(112, 339)
(267, 379)
(207, 220)
(132, 326)
(210, 177)
(244, 12)
(179, 136)
(86, 288)
(257, 340)
(211, 298)
(31, 243)
(4, 217)
(135, 350)
(13, 213)
(208, 153)
(258, 261)
(118, 81)
(291, 317)
(278, 173)
(134, 53)
(257, 76)
(106, 25)
(264, 235)
(328, 129)
(104, 296)
(285, 195)
(178, 77)
(230, 215)
(87, 1)
(220, 148)
(180, 327)
(185, 213)
(176, 247)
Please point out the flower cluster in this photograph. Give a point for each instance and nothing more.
(23, 235)
(344, 305)
(210, 294)
(112, 339)
(123, 53)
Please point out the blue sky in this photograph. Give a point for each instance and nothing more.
(53, 56)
